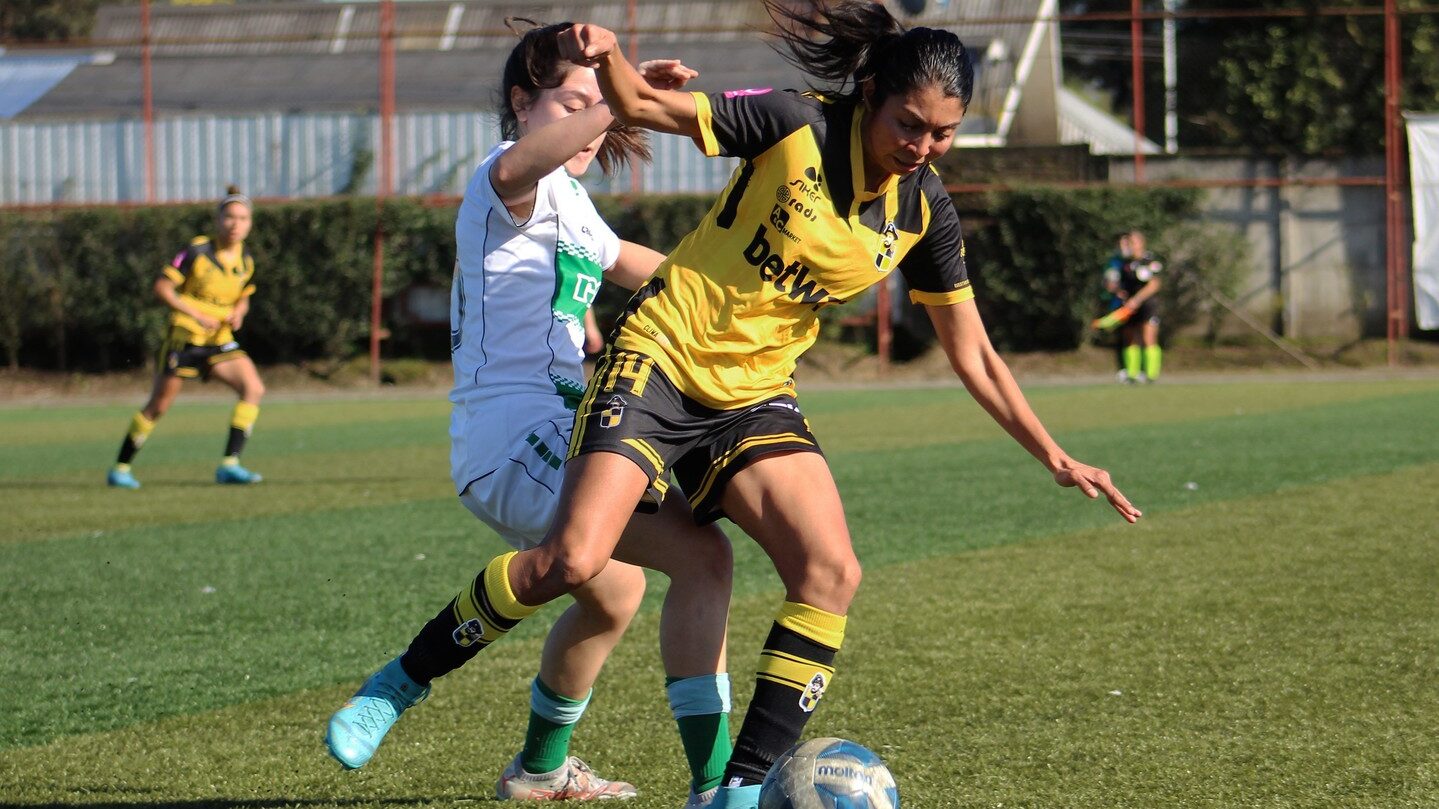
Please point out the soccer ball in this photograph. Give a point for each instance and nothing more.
(829, 774)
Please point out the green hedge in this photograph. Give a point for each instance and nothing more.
(75, 285)
(1038, 259)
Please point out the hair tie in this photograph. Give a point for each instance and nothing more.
(236, 197)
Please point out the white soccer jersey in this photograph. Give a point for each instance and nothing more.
(517, 308)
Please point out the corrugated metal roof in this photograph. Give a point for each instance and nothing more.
(25, 79)
(1082, 122)
(979, 23)
(314, 28)
(340, 72)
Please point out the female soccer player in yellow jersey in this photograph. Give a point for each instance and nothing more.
(834, 193)
(532, 254)
(207, 287)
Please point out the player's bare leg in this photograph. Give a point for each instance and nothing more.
(693, 622)
(789, 504)
(575, 651)
(694, 617)
(242, 377)
(162, 395)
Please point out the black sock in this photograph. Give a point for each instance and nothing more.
(127, 450)
(236, 443)
(795, 667)
(480, 615)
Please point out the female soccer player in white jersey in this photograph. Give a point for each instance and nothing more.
(532, 255)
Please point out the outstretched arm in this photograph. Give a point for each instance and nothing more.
(979, 366)
(634, 266)
(631, 98)
(516, 172)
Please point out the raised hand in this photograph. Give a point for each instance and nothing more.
(666, 74)
(585, 44)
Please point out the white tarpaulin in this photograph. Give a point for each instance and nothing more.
(1424, 180)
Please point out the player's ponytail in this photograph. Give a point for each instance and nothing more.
(854, 41)
(534, 65)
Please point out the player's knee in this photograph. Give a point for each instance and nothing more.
(831, 578)
(575, 569)
(254, 391)
(614, 612)
(703, 560)
(712, 563)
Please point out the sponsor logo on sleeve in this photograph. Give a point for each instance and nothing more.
(751, 91)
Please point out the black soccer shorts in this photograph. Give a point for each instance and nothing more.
(189, 361)
(632, 409)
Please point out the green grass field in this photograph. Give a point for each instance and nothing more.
(1268, 636)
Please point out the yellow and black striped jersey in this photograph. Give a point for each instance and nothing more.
(205, 283)
(736, 303)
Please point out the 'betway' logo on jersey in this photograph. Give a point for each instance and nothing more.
(795, 280)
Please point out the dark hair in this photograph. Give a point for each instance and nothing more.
(535, 65)
(860, 40)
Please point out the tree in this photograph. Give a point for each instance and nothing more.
(47, 20)
(1294, 85)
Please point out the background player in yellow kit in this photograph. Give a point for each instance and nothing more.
(207, 287)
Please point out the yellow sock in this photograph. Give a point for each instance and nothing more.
(243, 419)
(1153, 361)
(1132, 358)
(140, 428)
(488, 608)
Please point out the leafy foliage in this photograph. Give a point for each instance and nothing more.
(81, 279)
(47, 20)
(1297, 85)
(1037, 265)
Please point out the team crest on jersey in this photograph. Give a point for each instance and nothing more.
(885, 257)
(469, 633)
(613, 413)
(809, 700)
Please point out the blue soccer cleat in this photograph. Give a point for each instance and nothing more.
(233, 473)
(737, 798)
(121, 479)
(357, 729)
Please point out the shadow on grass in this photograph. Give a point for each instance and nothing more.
(250, 803)
(197, 483)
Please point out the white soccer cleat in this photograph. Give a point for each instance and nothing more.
(573, 781)
(702, 799)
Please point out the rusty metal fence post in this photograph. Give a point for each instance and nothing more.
(386, 179)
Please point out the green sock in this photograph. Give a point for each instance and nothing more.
(1153, 360)
(699, 733)
(552, 723)
(1132, 358)
(705, 736)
